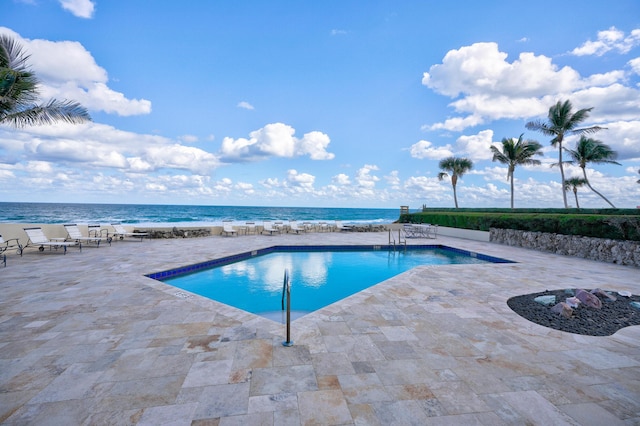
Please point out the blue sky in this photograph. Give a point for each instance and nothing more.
(333, 103)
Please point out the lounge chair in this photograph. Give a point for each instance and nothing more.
(250, 228)
(324, 227)
(227, 228)
(9, 244)
(74, 234)
(121, 232)
(268, 227)
(293, 227)
(37, 238)
(340, 227)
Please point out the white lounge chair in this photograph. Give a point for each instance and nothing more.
(121, 232)
(74, 234)
(293, 227)
(37, 238)
(268, 227)
(340, 227)
(227, 228)
(250, 228)
(9, 244)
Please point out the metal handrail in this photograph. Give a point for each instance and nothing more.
(286, 290)
(285, 284)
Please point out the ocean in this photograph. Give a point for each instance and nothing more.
(149, 215)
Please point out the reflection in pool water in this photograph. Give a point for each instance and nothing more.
(318, 278)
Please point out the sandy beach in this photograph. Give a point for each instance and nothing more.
(88, 339)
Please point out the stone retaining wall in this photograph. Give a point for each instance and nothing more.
(176, 233)
(603, 250)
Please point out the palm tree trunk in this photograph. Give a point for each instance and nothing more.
(512, 191)
(564, 193)
(455, 197)
(575, 193)
(584, 172)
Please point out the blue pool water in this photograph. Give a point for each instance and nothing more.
(318, 278)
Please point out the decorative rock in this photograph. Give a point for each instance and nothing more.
(601, 293)
(588, 299)
(563, 309)
(574, 302)
(545, 300)
(635, 305)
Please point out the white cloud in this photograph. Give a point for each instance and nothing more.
(623, 137)
(94, 145)
(456, 124)
(393, 180)
(336, 32)
(245, 105)
(488, 87)
(181, 157)
(364, 178)
(66, 70)
(341, 179)
(300, 181)
(80, 8)
(635, 65)
(611, 39)
(189, 138)
(314, 144)
(425, 149)
(276, 140)
(482, 69)
(476, 147)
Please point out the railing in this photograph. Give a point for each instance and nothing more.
(400, 242)
(286, 293)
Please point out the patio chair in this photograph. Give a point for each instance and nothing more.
(250, 228)
(432, 231)
(293, 227)
(96, 231)
(121, 232)
(39, 239)
(227, 228)
(268, 227)
(9, 244)
(324, 227)
(74, 234)
(340, 227)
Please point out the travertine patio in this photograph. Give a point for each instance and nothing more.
(86, 338)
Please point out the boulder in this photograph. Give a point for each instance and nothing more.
(563, 309)
(545, 300)
(588, 299)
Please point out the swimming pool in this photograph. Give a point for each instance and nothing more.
(319, 276)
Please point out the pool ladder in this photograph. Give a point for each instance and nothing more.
(286, 293)
(400, 242)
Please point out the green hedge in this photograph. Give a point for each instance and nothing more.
(621, 225)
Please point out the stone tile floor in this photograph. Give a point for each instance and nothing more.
(87, 339)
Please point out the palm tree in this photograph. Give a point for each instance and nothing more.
(592, 151)
(19, 93)
(574, 183)
(638, 179)
(457, 167)
(562, 121)
(514, 153)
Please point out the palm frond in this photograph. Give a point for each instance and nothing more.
(53, 111)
